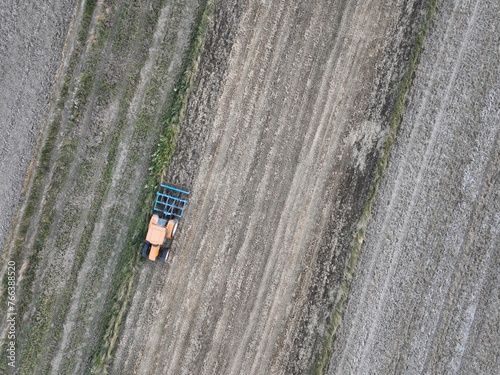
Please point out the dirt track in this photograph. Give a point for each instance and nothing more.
(426, 298)
(278, 157)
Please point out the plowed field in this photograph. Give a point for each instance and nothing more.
(289, 113)
(85, 190)
(30, 48)
(426, 299)
(278, 148)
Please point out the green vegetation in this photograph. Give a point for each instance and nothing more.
(352, 261)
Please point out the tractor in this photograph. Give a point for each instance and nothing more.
(167, 211)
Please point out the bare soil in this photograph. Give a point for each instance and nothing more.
(283, 129)
(426, 296)
(279, 149)
(31, 44)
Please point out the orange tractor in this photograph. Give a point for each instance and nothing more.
(168, 209)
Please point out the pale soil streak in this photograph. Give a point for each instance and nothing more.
(295, 90)
(423, 298)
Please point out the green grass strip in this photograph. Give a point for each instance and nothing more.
(175, 114)
(352, 261)
(126, 271)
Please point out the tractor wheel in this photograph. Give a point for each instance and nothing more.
(164, 255)
(145, 249)
(175, 228)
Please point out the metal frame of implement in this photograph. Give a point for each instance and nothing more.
(170, 201)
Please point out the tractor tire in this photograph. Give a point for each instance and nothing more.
(145, 249)
(164, 255)
(167, 243)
